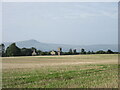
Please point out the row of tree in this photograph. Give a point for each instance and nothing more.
(13, 50)
(74, 52)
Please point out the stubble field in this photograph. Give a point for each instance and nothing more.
(74, 71)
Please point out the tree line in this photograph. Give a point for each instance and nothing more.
(14, 50)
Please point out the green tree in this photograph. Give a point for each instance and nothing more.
(83, 51)
(26, 52)
(100, 52)
(45, 53)
(2, 50)
(13, 50)
(74, 51)
(89, 52)
(92, 52)
(109, 51)
(70, 51)
(39, 52)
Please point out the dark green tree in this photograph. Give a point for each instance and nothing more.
(34, 49)
(45, 53)
(2, 50)
(13, 50)
(26, 52)
(109, 51)
(89, 52)
(92, 52)
(39, 52)
(74, 51)
(70, 51)
(83, 51)
(100, 52)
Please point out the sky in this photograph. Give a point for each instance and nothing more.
(78, 23)
(0, 22)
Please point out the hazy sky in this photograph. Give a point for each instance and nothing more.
(62, 23)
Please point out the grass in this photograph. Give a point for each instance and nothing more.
(72, 75)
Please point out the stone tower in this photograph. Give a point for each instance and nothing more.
(59, 51)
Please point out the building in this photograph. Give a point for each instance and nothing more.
(53, 52)
(34, 53)
(59, 51)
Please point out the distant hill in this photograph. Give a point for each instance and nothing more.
(48, 46)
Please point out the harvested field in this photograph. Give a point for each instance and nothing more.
(73, 71)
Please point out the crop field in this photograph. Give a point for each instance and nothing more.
(71, 71)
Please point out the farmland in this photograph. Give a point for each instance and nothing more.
(71, 71)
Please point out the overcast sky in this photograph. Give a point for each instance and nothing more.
(62, 23)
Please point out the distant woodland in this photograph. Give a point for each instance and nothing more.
(13, 50)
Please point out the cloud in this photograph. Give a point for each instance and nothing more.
(110, 14)
(87, 15)
(87, 10)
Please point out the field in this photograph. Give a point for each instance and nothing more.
(75, 71)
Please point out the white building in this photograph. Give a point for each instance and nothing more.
(53, 52)
(34, 53)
